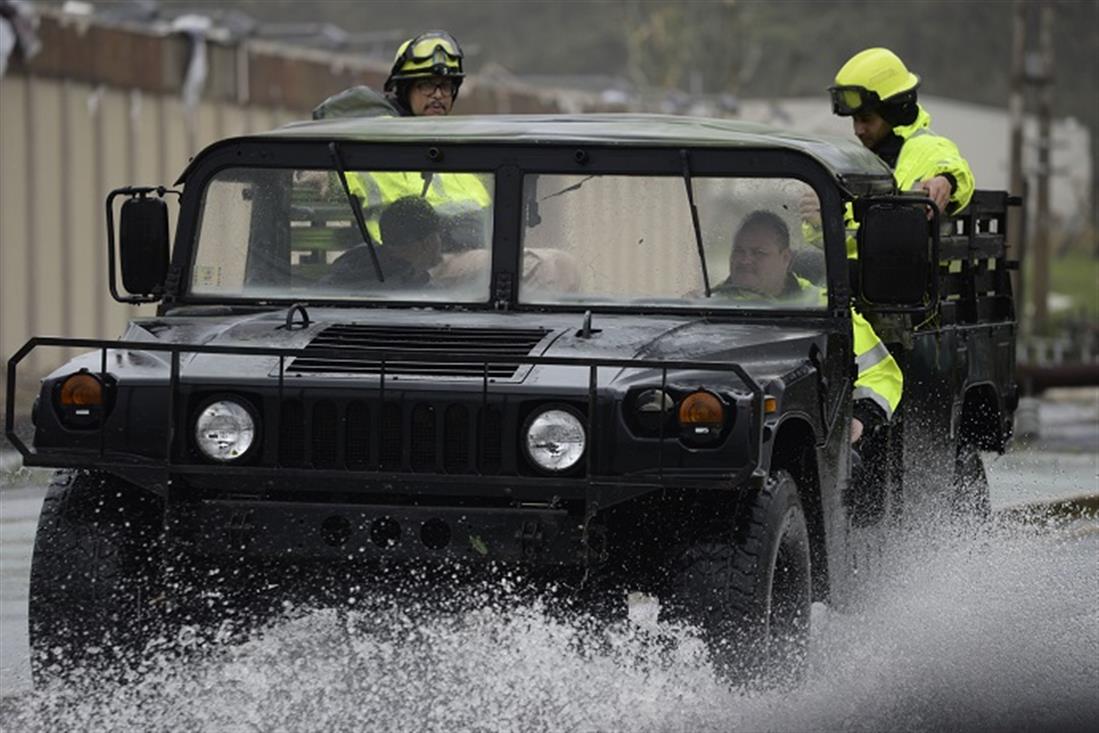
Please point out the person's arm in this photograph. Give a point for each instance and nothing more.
(879, 384)
(933, 164)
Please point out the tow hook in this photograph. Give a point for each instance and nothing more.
(530, 538)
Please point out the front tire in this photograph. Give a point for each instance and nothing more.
(94, 586)
(747, 587)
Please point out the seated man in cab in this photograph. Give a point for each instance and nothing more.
(759, 263)
(759, 269)
(411, 231)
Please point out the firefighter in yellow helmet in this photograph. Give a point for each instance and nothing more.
(426, 75)
(424, 81)
(879, 93)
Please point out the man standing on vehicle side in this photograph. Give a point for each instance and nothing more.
(878, 92)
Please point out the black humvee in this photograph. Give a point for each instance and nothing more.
(551, 366)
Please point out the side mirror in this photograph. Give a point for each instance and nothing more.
(898, 254)
(143, 244)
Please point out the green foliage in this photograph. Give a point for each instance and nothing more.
(1076, 274)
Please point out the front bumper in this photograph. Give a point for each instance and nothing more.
(298, 531)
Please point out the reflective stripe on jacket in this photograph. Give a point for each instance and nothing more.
(879, 378)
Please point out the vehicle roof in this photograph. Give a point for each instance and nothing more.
(845, 158)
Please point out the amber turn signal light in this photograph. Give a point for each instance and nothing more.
(701, 414)
(81, 390)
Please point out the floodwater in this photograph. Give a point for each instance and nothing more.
(994, 630)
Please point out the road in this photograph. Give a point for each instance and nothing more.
(997, 632)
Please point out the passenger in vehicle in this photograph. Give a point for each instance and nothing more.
(759, 267)
(410, 230)
(424, 82)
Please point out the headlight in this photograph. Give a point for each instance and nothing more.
(652, 409)
(555, 440)
(225, 430)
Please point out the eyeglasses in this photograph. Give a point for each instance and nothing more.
(428, 87)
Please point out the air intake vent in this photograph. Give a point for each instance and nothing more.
(364, 345)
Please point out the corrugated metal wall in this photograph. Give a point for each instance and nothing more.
(63, 146)
(100, 107)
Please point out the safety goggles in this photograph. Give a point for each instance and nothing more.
(438, 47)
(850, 100)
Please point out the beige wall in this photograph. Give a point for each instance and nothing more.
(63, 146)
(99, 107)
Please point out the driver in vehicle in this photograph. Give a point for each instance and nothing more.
(410, 229)
(759, 263)
(759, 267)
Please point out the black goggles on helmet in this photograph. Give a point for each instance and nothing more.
(852, 100)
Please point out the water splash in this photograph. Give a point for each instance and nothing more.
(993, 631)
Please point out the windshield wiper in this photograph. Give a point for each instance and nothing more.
(694, 218)
(356, 209)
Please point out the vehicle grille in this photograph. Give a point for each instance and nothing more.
(398, 437)
(364, 347)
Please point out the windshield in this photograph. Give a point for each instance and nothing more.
(278, 233)
(606, 239)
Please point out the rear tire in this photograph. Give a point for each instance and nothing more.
(747, 587)
(94, 585)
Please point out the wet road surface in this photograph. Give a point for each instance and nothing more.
(998, 631)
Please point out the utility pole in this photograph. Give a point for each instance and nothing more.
(1043, 223)
(1016, 221)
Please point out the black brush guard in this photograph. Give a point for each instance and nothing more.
(514, 521)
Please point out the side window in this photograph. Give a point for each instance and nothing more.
(226, 222)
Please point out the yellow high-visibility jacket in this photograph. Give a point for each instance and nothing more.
(924, 155)
(879, 377)
(450, 194)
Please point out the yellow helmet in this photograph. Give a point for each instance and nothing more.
(870, 80)
(432, 53)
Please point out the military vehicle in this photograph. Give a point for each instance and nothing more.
(510, 340)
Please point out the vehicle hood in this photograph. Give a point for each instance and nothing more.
(763, 348)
